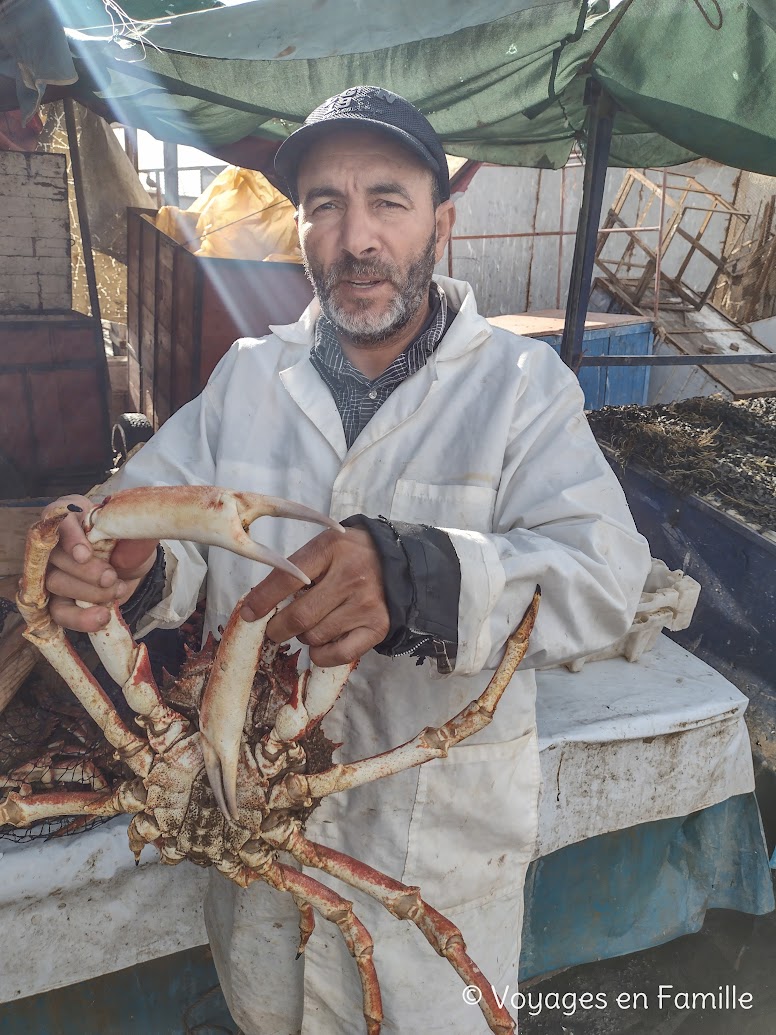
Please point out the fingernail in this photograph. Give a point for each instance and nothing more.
(119, 589)
(102, 617)
(247, 613)
(82, 553)
(107, 578)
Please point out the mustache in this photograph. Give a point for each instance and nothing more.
(357, 269)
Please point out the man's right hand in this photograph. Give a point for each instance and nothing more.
(75, 573)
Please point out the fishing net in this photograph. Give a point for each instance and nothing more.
(49, 742)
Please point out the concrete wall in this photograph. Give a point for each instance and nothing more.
(34, 232)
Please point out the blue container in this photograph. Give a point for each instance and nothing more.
(613, 386)
(606, 334)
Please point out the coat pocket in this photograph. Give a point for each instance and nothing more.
(474, 822)
(447, 506)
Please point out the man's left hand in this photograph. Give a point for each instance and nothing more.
(343, 614)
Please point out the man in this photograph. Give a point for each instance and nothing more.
(461, 457)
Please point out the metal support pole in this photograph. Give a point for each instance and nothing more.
(659, 252)
(561, 228)
(91, 274)
(171, 194)
(711, 360)
(80, 204)
(130, 145)
(599, 136)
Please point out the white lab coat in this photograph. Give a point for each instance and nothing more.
(489, 441)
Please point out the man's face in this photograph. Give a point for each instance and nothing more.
(369, 233)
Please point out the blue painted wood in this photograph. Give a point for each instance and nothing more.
(173, 995)
(632, 889)
(615, 386)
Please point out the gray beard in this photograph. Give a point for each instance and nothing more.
(362, 327)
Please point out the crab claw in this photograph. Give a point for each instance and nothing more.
(201, 514)
(225, 702)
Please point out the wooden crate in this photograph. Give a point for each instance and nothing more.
(16, 516)
(184, 312)
(53, 399)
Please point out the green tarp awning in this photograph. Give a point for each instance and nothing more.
(501, 80)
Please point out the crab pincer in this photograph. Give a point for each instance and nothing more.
(198, 513)
(224, 703)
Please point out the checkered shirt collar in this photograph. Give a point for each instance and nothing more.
(357, 397)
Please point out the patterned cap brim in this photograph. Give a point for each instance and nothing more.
(290, 152)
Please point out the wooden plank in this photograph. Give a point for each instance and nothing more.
(164, 323)
(8, 586)
(14, 523)
(552, 321)
(72, 342)
(190, 310)
(133, 379)
(146, 291)
(242, 299)
(185, 328)
(17, 659)
(26, 343)
(655, 187)
(133, 298)
(744, 381)
(67, 413)
(16, 431)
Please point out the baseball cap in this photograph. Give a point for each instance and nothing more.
(373, 107)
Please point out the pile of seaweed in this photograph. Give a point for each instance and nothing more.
(723, 451)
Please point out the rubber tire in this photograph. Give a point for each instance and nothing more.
(129, 430)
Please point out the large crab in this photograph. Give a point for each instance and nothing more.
(230, 780)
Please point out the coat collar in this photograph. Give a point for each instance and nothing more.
(304, 384)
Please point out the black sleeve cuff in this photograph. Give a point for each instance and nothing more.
(148, 593)
(422, 582)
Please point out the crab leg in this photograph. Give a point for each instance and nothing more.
(203, 514)
(127, 664)
(298, 789)
(20, 810)
(405, 903)
(51, 641)
(317, 695)
(225, 702)
(306, 924)
(338, 911)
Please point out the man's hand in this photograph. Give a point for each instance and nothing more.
(341, 616)
(75, 573)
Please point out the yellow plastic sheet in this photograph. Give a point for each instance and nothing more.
(240, 216)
